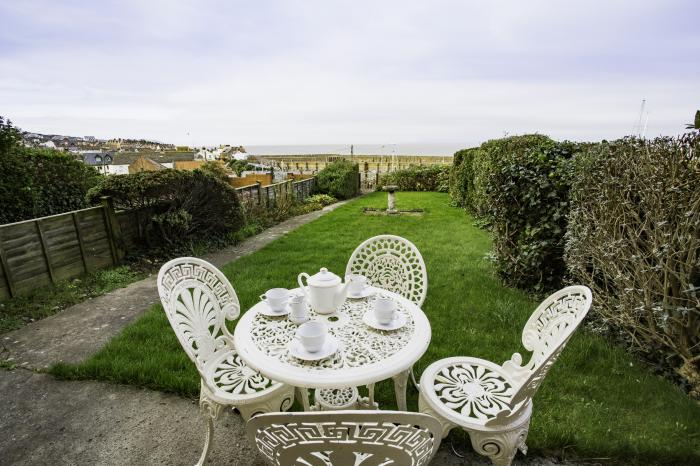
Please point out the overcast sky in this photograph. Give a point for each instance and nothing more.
(304, 72)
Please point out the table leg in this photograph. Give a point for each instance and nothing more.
(303, 397)
(400, 382)
(370, 390)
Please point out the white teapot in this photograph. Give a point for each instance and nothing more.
(325, 291)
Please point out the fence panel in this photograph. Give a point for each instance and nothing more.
(46, 250)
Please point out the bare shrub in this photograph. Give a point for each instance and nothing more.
(634, 238)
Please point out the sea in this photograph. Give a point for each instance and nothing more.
(427, 149)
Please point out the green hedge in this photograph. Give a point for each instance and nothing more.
(418, 178)
(37, 182)
(519, 187)
(339, 179)
(184, 206)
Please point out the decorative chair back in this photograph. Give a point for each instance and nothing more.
(546, 334)
(346, 438)
(198, 299)
(392, 263)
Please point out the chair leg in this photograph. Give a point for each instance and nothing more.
(500, 447)
(209, 411)
(425, 408)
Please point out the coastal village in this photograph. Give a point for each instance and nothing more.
(121, 156)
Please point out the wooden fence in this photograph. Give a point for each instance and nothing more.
(42, 251)
(46, 250)
(269, 195)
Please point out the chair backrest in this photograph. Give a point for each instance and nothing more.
(546, 334)
(346, 438)
(393, 263)
(198, 299)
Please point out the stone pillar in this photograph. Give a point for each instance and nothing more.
(391, 199)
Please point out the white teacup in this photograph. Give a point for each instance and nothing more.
(384, 309)
(356, 284)
(312, 335)
(297, 306)
(276, 298)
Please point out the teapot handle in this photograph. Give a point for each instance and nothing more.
(304, 289)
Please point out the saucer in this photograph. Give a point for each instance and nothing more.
(398, 321)
(266, 310)
(299, 321)
(329, 348)
(366, 293)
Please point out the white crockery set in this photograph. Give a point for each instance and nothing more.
(325, 293)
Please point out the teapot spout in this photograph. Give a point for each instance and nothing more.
(340, 296)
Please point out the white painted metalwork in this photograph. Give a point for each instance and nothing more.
(335, 399)
(365, 355)
(392, 263)
(349, 438)
(198, 300)
(493, 403)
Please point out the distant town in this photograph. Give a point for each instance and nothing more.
(120, 156)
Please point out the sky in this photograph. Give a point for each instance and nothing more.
(330, 72)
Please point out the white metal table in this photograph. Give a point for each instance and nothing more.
(365, 355)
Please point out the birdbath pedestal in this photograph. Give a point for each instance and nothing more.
(391, 200)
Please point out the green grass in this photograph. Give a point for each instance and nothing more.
(45, 301)
(597, 401)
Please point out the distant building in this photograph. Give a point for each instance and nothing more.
(89, 138)
(48, 144)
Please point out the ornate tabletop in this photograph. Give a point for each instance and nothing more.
(365, 355)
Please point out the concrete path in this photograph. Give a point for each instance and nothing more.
(45, 421)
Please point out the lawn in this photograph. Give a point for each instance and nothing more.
(598, 401)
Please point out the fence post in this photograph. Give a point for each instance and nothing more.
(6, 270)
(114, 231)
(259, 192)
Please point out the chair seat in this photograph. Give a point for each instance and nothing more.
(229, 380)
(469, 392)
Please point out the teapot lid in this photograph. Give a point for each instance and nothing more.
(324, 278)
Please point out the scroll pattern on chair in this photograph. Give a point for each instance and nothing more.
(363, 438)
(198, 300)
(392, 263)
(494, 403)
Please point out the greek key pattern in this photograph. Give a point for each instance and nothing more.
(345, 442)
(392, 263)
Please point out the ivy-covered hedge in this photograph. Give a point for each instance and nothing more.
(519, 187)
(38, 182)
(339, 179)
(183, 206)
(634, 238)
(418, 178)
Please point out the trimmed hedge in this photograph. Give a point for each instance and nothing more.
(634, 238)
(183, 206)
(339, 179)
(37, 182)
(418, 178)
(519, 187)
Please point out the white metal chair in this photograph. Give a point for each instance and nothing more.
(198, 300)
(493, 403)
(345, 438)
(392, 263)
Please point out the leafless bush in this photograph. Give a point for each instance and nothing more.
(634, 238)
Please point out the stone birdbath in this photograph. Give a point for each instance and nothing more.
(391, 198)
